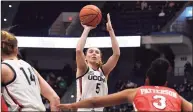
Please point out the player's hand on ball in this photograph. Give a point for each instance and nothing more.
(88, 27)
(108, 24)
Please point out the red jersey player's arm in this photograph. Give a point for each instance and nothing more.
(48, 92)
(103, 101)
(186, 106)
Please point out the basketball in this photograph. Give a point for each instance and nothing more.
(90, 15)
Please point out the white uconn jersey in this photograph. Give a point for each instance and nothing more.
(23, 92)
(92, 84)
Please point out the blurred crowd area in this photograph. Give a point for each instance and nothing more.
(138, 17)
(59, 80)
(144, 5)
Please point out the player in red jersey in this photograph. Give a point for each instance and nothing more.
(154, 96)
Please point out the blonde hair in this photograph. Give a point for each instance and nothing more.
(100, 64)
(8, 42)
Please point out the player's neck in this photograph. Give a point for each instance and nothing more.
(93, 66)
(10, 57)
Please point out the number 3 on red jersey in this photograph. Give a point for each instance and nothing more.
(162, 102)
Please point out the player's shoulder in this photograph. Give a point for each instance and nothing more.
(4, 67)
(24, 63)
(14, 62)
(7, 65)
(167, 88)
(7, 61)
(156, 87)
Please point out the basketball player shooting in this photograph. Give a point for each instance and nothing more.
(21, 83)
(91, 73)
(152, 97)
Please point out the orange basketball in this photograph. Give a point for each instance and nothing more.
(90, 15)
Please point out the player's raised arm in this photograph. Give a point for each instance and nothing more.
(186, 106)
(104, 101)
(48, 92)
(80, 58)
(112, 61)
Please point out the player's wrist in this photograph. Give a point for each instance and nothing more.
(73, 106)
(87, 28)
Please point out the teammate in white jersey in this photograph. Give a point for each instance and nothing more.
(22, 84)
(91, 73)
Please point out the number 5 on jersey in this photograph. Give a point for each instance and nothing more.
(98, 88)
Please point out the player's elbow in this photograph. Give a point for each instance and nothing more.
(190, 107)
(78, 51)
(116, 52)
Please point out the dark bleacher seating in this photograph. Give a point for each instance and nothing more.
(129, 20)
(127, 16)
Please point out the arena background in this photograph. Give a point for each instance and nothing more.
(164, 28)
